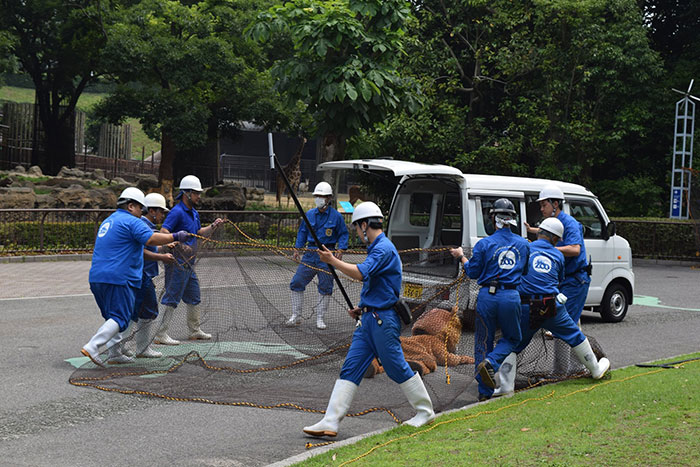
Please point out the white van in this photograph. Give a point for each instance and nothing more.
(438, 205)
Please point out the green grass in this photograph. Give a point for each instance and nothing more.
(639, 416)
(139, 139)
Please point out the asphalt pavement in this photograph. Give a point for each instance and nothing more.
(47, 313)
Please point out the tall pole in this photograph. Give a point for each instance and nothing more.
(273, 161)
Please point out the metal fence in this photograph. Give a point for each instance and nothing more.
(54, 231)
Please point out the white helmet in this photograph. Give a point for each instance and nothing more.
(323, 189)
(553, 226)
(551, 192)
(190, 182)
(132, 193)
(366, 210)
(155, 200)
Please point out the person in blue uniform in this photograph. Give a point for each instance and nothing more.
(543, 306)
(576, 276)
(146, 300)
(181, 281)
(497, 263)
(377, 335)
(329, 226)
(117, 265)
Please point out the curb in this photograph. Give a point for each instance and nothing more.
(46, 258)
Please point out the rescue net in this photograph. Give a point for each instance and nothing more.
(256, 359)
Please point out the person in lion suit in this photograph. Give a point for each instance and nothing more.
(425, 348)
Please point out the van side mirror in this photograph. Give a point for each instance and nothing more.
(610, 230)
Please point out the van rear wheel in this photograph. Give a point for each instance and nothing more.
(615, 303)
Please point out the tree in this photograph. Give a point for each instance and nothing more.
(560, 89)
(186, 72)
(59, 45)
(344, 63)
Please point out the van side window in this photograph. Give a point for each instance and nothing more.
(587, 214)
(484, 226)
(533, 214)
(420, 209)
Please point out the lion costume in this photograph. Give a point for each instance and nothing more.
(425, 349)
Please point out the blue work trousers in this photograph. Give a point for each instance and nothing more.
(381, 341)
(305, 274)
(561, 326)
(501, 309)
(576, 290)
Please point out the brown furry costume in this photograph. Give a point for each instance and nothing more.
(425, 348)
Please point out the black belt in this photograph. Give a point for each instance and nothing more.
(526, 298)
(330, 246)
(502, 286)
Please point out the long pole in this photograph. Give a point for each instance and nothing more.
(273, 157)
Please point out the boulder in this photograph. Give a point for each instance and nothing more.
(146, 182)
(17, 198)
(20, 169)
(65, 172)
(65, 182)
(35, 171)
(226, 197)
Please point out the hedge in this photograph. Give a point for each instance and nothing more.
(649, 238)
(660, 238)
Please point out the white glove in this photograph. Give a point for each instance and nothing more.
(561, 298)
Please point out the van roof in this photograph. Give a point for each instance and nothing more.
(473, 181)
(501, 182)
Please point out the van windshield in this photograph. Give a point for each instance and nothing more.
(427, 214)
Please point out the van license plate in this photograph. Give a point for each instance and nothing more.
(411, 290)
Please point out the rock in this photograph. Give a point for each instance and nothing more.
(20, 169)
(35, 171)
(47, 201)
(146, 182)
(17, 198)
(119, 181)
(7, 181)
(232, 199)
(98, 174)
(65, 182)
(66, 172)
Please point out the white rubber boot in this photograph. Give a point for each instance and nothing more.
(297, 307)
(193, 320)
(417, 395)
(338, 405)
(115, 356)
(143, 339)
(506, 375)
(162, 336)
(91, 350)
(586, 356)
(323, 301)
(121, 336)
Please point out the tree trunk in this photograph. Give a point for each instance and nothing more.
(332, 149)
(56, 147)
(165, 172)
(202, 161)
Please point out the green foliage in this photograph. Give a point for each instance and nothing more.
(660, 238)
(635, 196)
(180, 65)
(344, 61)
(57, 236)
(282, 235)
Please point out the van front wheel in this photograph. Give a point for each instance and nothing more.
(615, 303)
